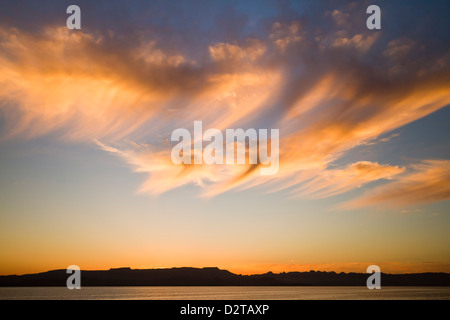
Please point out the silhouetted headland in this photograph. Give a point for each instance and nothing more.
(217, 277)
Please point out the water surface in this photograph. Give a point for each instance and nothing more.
(225, 293)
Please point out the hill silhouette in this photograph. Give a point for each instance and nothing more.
(217, 277)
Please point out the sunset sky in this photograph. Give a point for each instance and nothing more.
(86, 116)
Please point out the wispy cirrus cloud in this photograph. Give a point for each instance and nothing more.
(321, 85)
(428, 182)
(71, 82)
(336, 181)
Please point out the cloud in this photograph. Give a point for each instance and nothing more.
(358, 41)
(341, 18)
(226, 51)
(327, 89)
(65, 81)
(429, 182)
(70, 82)
(398, 48)
(284, 34)
(162, 174)
(337, 181)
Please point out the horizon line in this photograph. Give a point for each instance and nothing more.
(240, 274)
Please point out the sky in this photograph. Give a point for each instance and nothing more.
(86, 117)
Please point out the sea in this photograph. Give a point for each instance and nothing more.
(225, 293)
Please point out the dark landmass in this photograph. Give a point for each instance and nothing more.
(217, 277)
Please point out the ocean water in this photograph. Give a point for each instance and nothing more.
(225, 293)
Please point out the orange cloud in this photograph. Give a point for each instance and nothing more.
(225, 51)
(429, 182)
(284, 34)
(358, 41)
(72, 84)
(332, 182)
(163, 175)
(59, 82)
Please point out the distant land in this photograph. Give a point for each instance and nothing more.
(217, 277)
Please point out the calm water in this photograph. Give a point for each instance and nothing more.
(227, 293)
